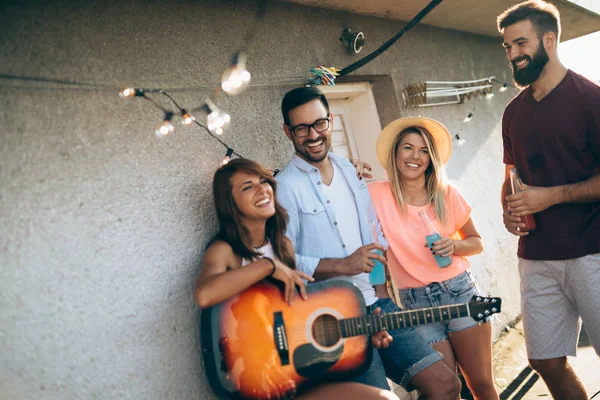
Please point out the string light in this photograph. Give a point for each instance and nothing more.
(187, 119)
(505, 85)
(468, 118)
(460, 142)
(166, 128)
(227, 157)
(131, 92)
(236, 78)
(489, 94)
(216, 120)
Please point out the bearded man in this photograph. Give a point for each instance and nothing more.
(551, 135)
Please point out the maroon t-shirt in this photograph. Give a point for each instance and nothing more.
(556, 141)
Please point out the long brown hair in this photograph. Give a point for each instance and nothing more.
(435, 177)
(231, 229)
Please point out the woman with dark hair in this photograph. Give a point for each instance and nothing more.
(251, 246)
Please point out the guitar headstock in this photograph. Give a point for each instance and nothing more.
(482, 307)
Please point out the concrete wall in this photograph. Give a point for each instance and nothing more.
(103, 225)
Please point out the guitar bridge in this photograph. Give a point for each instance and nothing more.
(280, 335)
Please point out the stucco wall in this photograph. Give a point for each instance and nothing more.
(103, 225)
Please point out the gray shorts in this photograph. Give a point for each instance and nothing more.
(554, 295)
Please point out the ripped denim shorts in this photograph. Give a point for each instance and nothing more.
(459, 289)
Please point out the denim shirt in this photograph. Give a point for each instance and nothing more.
(312, 227)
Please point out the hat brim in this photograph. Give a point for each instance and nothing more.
(440, 134)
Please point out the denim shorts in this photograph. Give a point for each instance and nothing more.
(457, 290)
(406, 356)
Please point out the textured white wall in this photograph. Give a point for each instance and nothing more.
(103, 225)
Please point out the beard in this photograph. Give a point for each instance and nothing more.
(532, 71)
(310, 157)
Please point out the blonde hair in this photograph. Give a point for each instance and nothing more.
(435, 174)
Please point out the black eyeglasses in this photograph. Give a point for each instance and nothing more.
(320, 126)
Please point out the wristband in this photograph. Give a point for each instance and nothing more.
(272, 263)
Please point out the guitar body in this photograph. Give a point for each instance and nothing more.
(256, 346)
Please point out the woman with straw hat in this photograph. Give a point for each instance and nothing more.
(413, 151)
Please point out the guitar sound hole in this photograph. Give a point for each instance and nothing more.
(326, 330)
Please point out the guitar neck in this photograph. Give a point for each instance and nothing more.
(376, 323)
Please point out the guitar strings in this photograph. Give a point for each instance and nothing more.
(373, 321)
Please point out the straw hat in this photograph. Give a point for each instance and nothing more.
(439, 133)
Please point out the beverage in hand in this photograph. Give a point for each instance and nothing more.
(516, 187)
(432, 236)
(377, 275)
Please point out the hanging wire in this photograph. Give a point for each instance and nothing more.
(459, 139)
(370, 57)
(151, 100)
(217, 139)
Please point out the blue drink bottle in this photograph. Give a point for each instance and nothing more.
(377, 275)
(432, 236)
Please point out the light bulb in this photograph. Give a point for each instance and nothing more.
(131, 92)
(227, 157)
(504, 88)
(166, 128)
(468, 118)
(236, 78)
(459, 141)
(186, 118)
(216, 121)
(489, 95)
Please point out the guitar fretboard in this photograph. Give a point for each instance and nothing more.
(376, 323)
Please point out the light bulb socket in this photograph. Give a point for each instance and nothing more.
(239, 58)
(209, 107)
(168, 115)
(354, 41)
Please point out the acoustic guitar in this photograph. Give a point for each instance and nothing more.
(255, 346)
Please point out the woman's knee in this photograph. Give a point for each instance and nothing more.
(483, 390)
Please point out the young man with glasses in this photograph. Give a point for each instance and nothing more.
(330, 213)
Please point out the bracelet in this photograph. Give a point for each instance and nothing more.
(272, 263)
